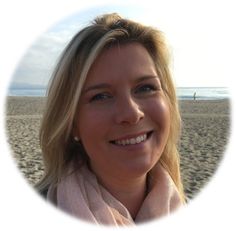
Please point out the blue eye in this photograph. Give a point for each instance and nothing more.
(100, 97)
(147, 88)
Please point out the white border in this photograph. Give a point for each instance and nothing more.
(21, 22)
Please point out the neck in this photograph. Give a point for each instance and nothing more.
(129, 191)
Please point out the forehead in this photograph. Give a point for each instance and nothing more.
(130, 59)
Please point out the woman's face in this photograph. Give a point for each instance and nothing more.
(123, 119)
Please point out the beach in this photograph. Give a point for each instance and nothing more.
(204, 137)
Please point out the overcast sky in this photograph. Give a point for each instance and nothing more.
(197, 36)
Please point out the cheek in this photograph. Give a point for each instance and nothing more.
(160, 114)
(91, 125)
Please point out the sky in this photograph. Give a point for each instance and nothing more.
(196, 37)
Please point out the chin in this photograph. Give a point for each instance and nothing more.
(137, 169)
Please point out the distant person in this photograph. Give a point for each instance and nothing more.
(194, 95)
(110, 130)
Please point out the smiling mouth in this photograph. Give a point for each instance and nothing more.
(134, 140)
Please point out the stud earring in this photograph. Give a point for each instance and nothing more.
(76, 138)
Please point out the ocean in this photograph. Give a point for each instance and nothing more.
(183, 93)
(35, 92)
(203, 93)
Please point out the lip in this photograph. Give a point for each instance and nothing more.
(130, 136)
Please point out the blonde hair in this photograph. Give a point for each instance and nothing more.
(67, 81)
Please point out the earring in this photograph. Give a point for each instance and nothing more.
(76, 138)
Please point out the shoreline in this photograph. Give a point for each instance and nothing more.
(204, 136)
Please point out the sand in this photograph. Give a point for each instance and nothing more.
(205, 132)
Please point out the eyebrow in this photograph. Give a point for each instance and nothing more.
(146, 77)
(97, 87)
(106, 85)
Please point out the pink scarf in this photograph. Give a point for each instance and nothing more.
(82, 196)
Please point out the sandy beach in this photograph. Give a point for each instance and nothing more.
(205, 132)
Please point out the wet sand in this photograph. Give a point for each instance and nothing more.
(205, 132)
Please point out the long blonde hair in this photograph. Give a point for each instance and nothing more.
(67, 81)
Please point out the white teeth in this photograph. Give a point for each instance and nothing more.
(136, 140)
(132, 141)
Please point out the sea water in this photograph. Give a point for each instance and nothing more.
(202, 93)
(34, 92)
(183, 93)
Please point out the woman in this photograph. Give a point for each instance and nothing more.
(111, 125)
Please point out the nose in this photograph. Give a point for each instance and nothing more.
(128, 111)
